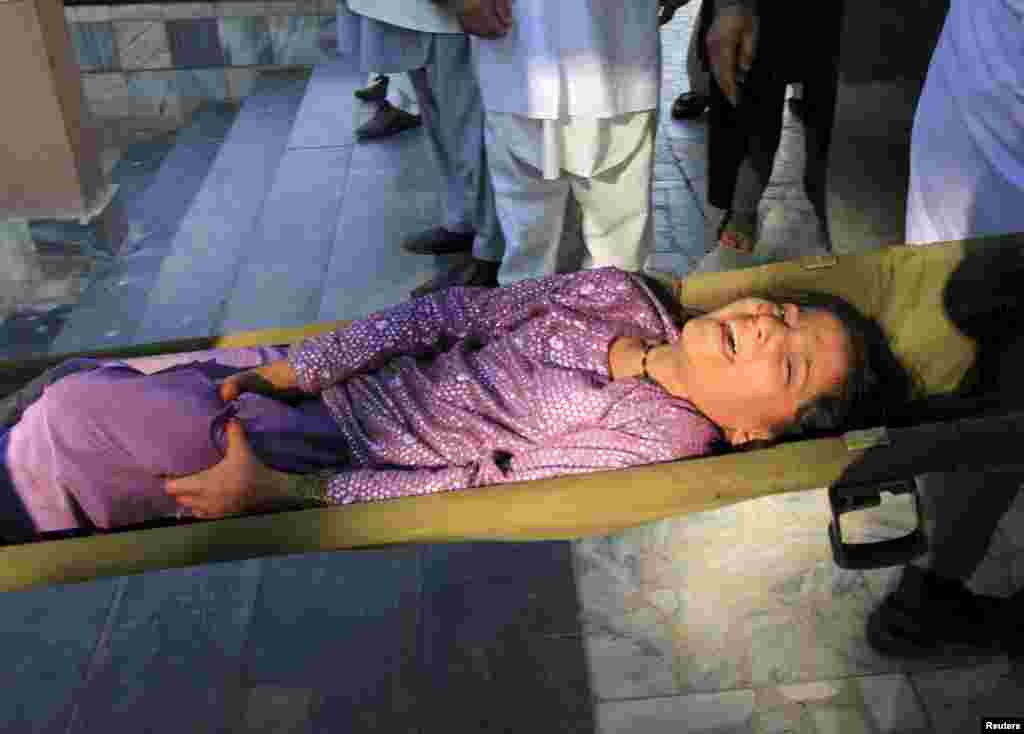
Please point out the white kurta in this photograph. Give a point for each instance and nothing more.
(571, 92)
(967, 146)
(573, 58)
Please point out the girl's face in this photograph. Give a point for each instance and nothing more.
(751, 365)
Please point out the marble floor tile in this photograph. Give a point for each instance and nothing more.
(884, 704)
(729, 712)
(957, 698)
(692, 156)
(50, 637)
(168, 658)
(276, 710)
(667, 172)
(745, 596)
(625, 667)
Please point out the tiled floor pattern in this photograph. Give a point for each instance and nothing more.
(729, 621)
(738, 620)
(419, 640)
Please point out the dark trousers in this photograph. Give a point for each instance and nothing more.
(754, 127)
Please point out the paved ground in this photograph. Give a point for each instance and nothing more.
(732, 621)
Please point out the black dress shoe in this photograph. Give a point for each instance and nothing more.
(474, 274)
(926, 614)
(388, 121)
(689, 106)
(439, 241)
(375, 91)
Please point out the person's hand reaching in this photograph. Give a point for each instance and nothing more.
(275, 379)
(240, 482)
(485, 18)
(731, 45)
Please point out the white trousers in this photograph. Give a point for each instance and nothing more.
(615, 200)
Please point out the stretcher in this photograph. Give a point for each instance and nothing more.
(951, 311)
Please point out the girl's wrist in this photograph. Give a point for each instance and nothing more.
(305, 487)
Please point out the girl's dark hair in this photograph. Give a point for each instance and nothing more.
(877, 386)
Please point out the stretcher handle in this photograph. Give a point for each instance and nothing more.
(844, 498)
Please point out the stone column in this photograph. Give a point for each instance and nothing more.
(49, 159)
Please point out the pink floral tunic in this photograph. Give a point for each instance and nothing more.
(469, 387)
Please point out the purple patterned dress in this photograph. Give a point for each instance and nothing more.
(458, 389)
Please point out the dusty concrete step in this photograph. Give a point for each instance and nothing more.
(281, 278)
(330, 113)
(190, 293)
(158, 180)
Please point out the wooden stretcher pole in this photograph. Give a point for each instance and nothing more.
(560, 508)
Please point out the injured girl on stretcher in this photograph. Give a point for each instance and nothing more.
(566, 374)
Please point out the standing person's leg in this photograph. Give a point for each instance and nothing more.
(819, 89)
(819, 111)
(617, 209)
(530, 208)
(741, 154)
(456, 233)
(456, 93)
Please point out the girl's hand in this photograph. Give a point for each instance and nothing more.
(240, 482)
(275, 380)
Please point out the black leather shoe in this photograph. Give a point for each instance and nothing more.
(926, 613)
(474, 274)
(689, 106)
(388, 121)
(375, 91)
(439, 241)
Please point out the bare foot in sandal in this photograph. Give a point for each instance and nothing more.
(739, 231)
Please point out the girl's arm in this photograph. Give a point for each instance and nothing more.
(418, 327)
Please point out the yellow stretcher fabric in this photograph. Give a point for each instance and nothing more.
(901, 286)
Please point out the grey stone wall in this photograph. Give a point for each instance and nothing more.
(160, 61)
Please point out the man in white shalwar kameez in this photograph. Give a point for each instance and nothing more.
(426, 41)
(571, 95)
